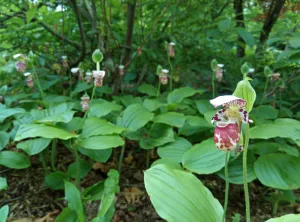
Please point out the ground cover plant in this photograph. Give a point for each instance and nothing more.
(149, 111)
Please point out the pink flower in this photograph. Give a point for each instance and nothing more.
(21, 66)
(85, 102)
(88, 77)
(164, 76)
(29, 79)
(98, 77)
(121, 70)
(219, 72)
(171, 49)
(229, 120)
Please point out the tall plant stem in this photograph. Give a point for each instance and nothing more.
(158, 90)
(213, 86)
(246, 191)
(43, 161)
(37, 80)
(93, 94)
(148, 159)
(171, 73)
(77, 158)
(265, 91)
(121, 158)
(53, 154)
(227, 185)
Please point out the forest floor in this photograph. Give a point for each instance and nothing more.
(30, 201)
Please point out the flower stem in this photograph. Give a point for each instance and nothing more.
(246, 191)
(37, 80)
(227, 185)
(43, 161)
(265, 91)
(147, 159)
(93, 94)
(53, 154)
(213, 86)
(158, 90)
(171, 73)
(121, 158)
(77, 159)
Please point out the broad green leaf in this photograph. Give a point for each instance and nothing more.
(3, 183)
(101, 142)
(204, 158)
(4, 213)
(263, 148)
(159, 135)
(74, 125)
(94, 192)
(56, 180)
(286, 218)
(72, 195)
(4, 112)
(285, 128)
(152, 104)
(81, 87)
(278, 171)
(84, 166)
(129, 100)
(169, 162)
(264, 112)
(148, 89)
(34, 146)
(174, 150)
(67, 215)
(97, 155)
(30, 14)
(293, 151)
(203, 106)
(94, 127)
(136, 116)
(170, 118)
(245, 91)
(246, 36)
(177, 95)
(14, 160)
(194, 125)
(103, 108)
(180, 196)
(40, 130)
(4, 139)
(235, 170)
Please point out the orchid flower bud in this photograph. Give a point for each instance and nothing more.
(98, 77)
(121, 70)
(85, 102)
(219, 72)
(88, 77)
(164, 76)
(171, 49)
(65, 63)
(29, 79)
(275, 77)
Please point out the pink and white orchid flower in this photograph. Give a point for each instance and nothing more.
(98, 77)
(229, 120)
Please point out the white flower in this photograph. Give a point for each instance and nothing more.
(165, 71)
(98, 74)
(17, 55)
(220, 65)
(172, 43)
(74, 70)
(27, 74)
(251, 70)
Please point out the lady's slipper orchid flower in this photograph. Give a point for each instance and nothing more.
(219, 72)
(98, 77)
(164, 76)
(88, 77)
(275, 76)
(85, 102)
(21, 66)
(29, 79)
(65, 63)
(171, 49)
(121, 70)
(74, 71)
(229, 119)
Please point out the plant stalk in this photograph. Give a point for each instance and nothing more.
(77, 159)
(43, 161)
(37, 80)
(265, 91)
(158, 90)
(121, 158)
(246, 191)
(227, 185)
(171, 73)
(148, 159)
(53, 154)
(213, 86)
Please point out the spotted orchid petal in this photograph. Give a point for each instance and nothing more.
(219, 116)
(228, 101)
(226, 135)
(244, 115)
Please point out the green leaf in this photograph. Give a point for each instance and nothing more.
(286, 218)
(97, 56)
(40, 130)
(148, 89)
(177, 95)
(72, 195)
(295, 42)
(3, 183)
(285, 128)
(67, 215)
(74, 125)
(179, 196)
(81, 87)
(204, 158)
(97, 155)
(159, 135)
(293, 151)
(4, 112)
(56, 180)
(174, 150)
(235, 170)
(14, 160)
(85, 168)
(170, 163)
(30, 14)
(4, 213)
(246, 36)
(245, 91)
(203, 106)
(152, 104)
(261, 113)
(94, 192)
(101, 142)
(103, 108)
(278, 171)
(268, 71)
(136, 116)
(4, 139)
(170, 118)
(34, 146)
(263, 148)
(94, 127)
(194, 125)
